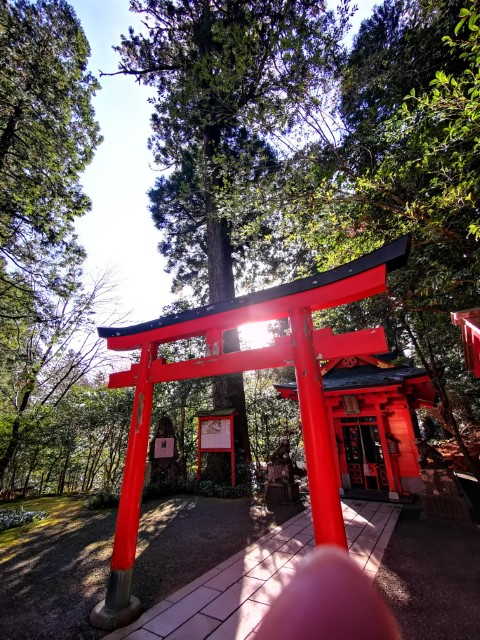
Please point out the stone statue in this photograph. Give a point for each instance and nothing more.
(280, 465)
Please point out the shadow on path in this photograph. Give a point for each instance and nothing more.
(430, 575)
(49, 585)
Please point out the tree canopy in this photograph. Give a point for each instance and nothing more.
(47, 137)
(227, 75)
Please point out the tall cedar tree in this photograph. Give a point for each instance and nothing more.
(218, 66)
(177, 210)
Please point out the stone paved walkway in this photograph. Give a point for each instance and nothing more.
(229, 601)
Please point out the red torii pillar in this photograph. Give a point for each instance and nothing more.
(118, 598)
(319, 455)
(354, 281)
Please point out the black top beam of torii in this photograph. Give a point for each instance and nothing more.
(394, 255)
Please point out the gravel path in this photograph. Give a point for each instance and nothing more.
(50, 584)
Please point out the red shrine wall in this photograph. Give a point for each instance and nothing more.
(367, 457)
(399, 424)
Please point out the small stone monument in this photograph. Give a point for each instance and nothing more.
(280, 486)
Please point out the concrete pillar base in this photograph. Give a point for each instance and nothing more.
(393, 495)
(103, 618)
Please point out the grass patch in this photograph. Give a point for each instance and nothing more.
(60, 509)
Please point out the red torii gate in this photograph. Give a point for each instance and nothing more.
(304, 349)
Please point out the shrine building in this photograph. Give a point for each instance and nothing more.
(370, 404)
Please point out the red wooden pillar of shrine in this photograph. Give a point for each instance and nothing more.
(120, 607)
(327, 516)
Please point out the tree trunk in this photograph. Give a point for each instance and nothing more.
(63, 472)
(50, 470)
(31, 467)
(94, 467)
(228, 391)
(11, 448)
(40, 490)
(86, 471)
(8, 134)
(15, 435)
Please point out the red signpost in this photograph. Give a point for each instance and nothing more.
(356, 280)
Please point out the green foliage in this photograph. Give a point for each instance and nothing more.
(427, 184)
(270, 418)
(409, 165)
(105, 498)
(47, 138)
(11, 518)
(108, 497)
(178, 210)
(39, 363)
(396, 50)
(191, 486)
(227, 64)
(227, 75)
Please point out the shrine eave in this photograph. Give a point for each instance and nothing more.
(354, 380)
(393, 255)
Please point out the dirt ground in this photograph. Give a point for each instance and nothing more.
(430, 573)
(49, 585)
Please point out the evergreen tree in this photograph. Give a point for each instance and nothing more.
(220, 67)
(47, 138)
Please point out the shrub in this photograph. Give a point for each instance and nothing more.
(109, 497)
(11, 518)
(192, 486)
(105, 498)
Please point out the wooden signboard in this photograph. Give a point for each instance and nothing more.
(215, 435)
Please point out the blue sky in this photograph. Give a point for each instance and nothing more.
(118, 233)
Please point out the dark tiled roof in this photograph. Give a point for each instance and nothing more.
(367, 375)
(215, 412)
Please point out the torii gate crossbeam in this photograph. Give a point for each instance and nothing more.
(303, 349)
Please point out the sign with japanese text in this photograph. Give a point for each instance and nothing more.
(215, 434)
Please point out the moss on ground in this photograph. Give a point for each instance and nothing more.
(59, 509)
